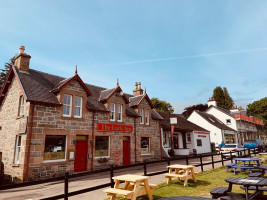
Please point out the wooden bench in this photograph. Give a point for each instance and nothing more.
(242, 168)
(254, 188)
(255, 174)
(113, 192)
(229, 166)
(219, 192)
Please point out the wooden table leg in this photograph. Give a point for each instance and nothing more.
(193, 175)
(186, 178)
(148, 190)
(136, 190)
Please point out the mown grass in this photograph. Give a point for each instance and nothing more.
(205, 181)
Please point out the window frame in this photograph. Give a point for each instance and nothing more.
(228, 121)
(108, 156)
(149, 146)
(114, 112)
(119, 113)
(21, 105)
(81, 106)
(66, 147)
(147, 117)
(69, 115)
(141, 113)
(17, 150)
(199, 145)
(188, 135)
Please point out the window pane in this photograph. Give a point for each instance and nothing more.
(145, 149)
(101, 146)
(199, 142)
(66, 99)
(78, 101)
(54, 147)
(66, 110)
(77, 112)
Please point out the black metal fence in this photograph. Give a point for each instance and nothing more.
(223, 157)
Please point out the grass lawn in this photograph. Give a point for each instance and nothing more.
(205, 181)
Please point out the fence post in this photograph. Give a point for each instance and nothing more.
(111, 175)
(169, 161)
(231, 157)
(249, 153)
(222, 159)
(200, 156)
(212, 161)
(238, 153)
(66, 186)
(186, 159)
(145, 172)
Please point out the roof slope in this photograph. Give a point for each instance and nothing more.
(214, 121)
(225, 111)
(182, 123)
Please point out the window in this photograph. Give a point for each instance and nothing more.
(145, 145)
(199, 142)
(188, 137)
(17, 149)
(101, 146)
(228, 121)
(55, 148)
(147, 117)
(67, 105)
(141, 113)
(78, 107)
(112, 112)
(21, 106)
(119, 113)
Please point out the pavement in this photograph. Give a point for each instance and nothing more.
(55, 188)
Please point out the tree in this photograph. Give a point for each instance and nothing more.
(223, 98)
(188, 110)
(162, 106)
(3, 72)
(258, 109)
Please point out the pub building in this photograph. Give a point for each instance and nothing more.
(50, 124)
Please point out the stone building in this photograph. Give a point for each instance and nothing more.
(50, 124)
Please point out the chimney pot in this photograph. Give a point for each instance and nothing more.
(21, 49)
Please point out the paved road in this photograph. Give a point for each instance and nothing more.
(50, 189)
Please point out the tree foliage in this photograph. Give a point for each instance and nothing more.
(162, 106)
(258, 109)
(222, 97)
(188, 110)
(3, 72)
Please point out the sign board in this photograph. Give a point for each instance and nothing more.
(173, 120)
(114, 127)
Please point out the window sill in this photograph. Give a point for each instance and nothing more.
(54, 161)
(145, 154)
(15, 165)
(19, 117)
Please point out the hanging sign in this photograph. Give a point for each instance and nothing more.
(114, 127)
(172, 130)
(173, 120)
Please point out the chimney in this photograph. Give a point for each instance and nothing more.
(212, 102)
(137, 91)
(22, 61)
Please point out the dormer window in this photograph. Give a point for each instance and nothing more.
(112, 112)
(147, 117)
(119, 118)
(78, 107)
(21, 106)
(141, 113)
(67, 101)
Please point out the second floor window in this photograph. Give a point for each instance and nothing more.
(17, 149)
(21, 105)
(141, 113)
(147, 117)
(78, 107)
(119, 118)
(112, 112)
(67, 105)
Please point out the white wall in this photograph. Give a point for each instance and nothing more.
(215, 133)
(205, 148)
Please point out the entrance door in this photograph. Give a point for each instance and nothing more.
(80, 163)
(126, 151)
(175, 142)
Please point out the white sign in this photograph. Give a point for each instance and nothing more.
(173, 120)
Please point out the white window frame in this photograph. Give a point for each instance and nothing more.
(141, 113)
(21, 105)
(80, 107)
(149, 146)
(108, 147)
(69, 115)
(188, 135)
(59, 160)
(17, 149)
(119, 109)
(112, 106)
(147, 117)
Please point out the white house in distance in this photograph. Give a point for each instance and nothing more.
(218, 130)
(187, 136)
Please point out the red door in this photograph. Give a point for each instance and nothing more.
(80, 163)
(126, 151)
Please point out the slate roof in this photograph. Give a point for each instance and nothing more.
(135, 100)
(214, 121)
(182, 123)
(225, 111)
(37, 87)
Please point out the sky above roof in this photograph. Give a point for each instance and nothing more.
(180, 50)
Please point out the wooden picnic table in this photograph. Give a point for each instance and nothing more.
(182, 172)
(134, 186)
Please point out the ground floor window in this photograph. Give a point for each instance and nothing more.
(17, 149)
(101, 146)
(145, 145)
(199, 142)
(188, 137)
(55, 147)
(229, 138)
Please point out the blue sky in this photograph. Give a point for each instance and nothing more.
(180, 50)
